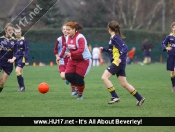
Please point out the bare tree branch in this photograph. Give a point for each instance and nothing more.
(152, 13)
(123, 15)
(108, 8)
(135, 13)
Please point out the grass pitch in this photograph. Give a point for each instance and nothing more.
(151, 81)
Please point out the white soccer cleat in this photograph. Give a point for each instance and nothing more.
(114, 100)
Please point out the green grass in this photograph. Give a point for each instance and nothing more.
(151, 81)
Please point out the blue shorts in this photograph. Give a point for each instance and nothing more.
(147, 54)
(117, 70)
(8, 70)
(20, 62)
(171, 62)
(19, 65)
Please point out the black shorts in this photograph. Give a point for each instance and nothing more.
(147, 54)
(8, 70)
(20, 65)
(117, 70)
(171, 62)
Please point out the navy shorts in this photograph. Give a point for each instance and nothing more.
(117, 70)
(147, 54)
(20, 65)
(20, 62)
(8, 70)
(171, 62)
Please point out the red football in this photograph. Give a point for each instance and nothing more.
(43, 87)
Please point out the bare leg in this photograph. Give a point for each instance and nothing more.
(172, 75)
(3, 80)
(125, 84)
(105, 78)
(131, 89)
(62, 75)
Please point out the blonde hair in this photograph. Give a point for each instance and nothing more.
(173, 24)
(17, 30)
(7, 25)
(63, 26)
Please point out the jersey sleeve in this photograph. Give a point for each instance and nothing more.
(106, 50)
(151, 46)
(26, 55)
(165, 43)
(121, 46)
(64, 48)
(63, 51)
(55, 50)
(15, 50)
(143, 47)
(81, 48)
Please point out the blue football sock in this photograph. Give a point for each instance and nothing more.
(136, 95)
(20, 81)
(113, 92)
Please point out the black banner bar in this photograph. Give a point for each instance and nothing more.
(87, 121)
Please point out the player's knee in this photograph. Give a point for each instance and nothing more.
(79, 80)
(17, 72)
(2, 82)
(103, 78)
(62, 76)
(69, 77)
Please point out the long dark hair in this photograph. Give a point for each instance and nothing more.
(114, 26)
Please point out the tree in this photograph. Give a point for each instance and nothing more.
(49, 15)
(131, 14)
(92, 14)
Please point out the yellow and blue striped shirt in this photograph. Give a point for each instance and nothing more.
(117, 49)
(169, 41)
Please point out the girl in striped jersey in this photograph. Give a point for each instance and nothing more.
(168, 45)
(61, 58)
(117, 50)
(7, 51)
(80, 57)
(21, 59)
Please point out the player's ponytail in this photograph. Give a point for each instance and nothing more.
(114, 26)
(78, 26)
